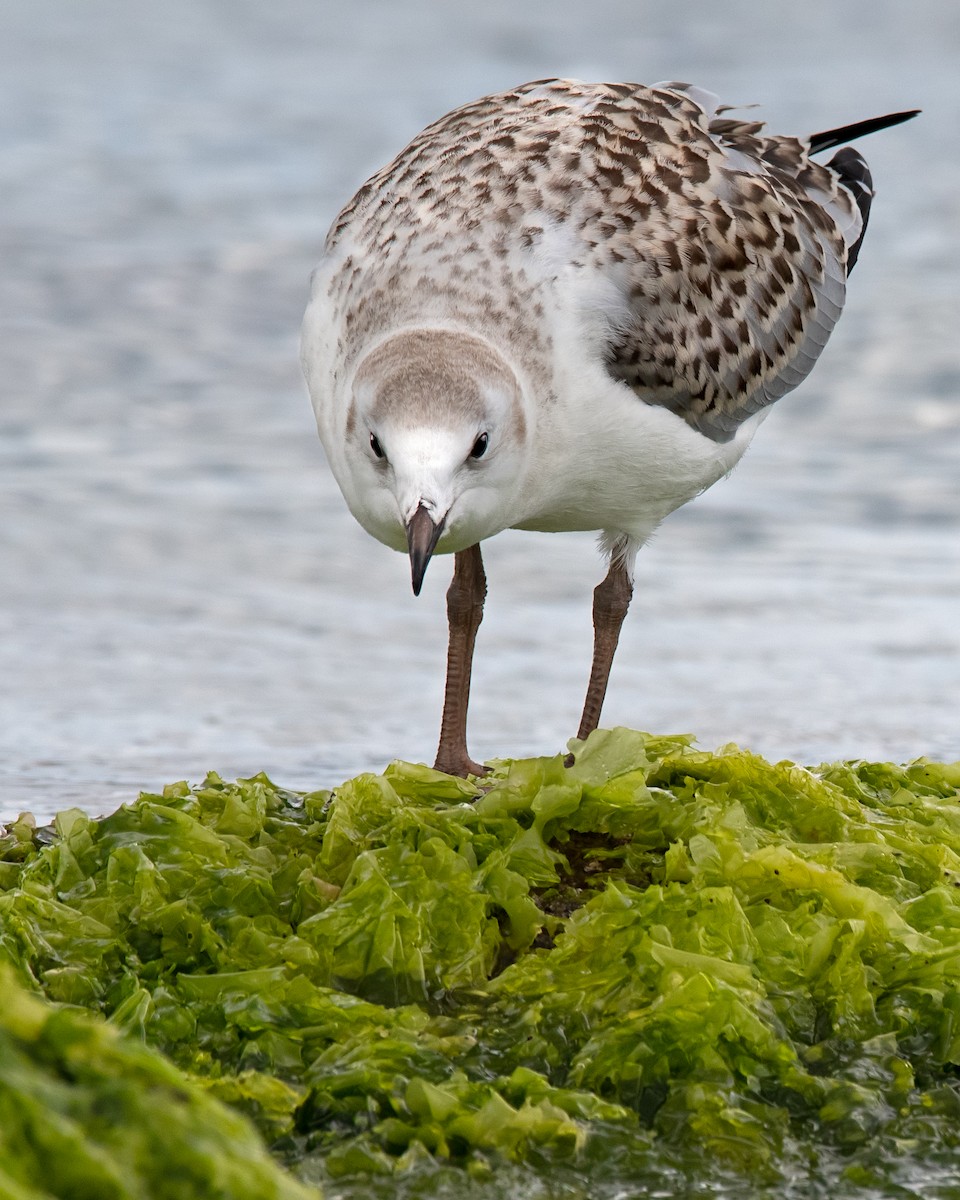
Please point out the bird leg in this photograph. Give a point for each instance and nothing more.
(611, 599)
(465, 598)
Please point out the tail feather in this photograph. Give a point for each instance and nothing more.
(850, 167)
(846, 133)
(855, 176)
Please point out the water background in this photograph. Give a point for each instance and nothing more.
(181, 586)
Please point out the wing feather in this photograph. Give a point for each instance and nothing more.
(768, 236)
(705, 261)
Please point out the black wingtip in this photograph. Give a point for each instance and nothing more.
(847, 133)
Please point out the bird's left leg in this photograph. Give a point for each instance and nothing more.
(465, 597)
(611, 599)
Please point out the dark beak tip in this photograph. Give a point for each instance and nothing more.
(422, 537)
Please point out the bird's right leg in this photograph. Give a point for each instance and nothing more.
(465, 598)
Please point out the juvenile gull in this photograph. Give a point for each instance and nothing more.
(569, 306)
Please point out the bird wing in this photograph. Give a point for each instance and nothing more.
(738, 270)
(706, 260)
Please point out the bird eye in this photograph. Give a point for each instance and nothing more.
(479, 446)
(375, 445)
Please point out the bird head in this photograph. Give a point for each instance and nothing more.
(435, 434)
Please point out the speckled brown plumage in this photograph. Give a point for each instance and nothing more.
(722, 251)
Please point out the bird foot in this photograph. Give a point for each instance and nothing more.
(453, 762)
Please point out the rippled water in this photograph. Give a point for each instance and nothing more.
(181, 587)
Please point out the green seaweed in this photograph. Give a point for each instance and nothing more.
(658, 971)
(88, 1114)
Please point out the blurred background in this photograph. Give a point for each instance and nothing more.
(181, 586)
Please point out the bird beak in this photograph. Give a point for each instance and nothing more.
(422, 538)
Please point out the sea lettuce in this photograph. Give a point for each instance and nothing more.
(648, 970)
(88, 1114)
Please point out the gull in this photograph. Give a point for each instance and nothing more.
(569, 306)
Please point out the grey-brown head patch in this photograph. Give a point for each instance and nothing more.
(436, 377)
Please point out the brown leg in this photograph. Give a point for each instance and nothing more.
(611, 599)
(465, 598)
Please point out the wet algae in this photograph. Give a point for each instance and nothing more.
(658, 972)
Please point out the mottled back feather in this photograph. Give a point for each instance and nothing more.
(706, 260)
